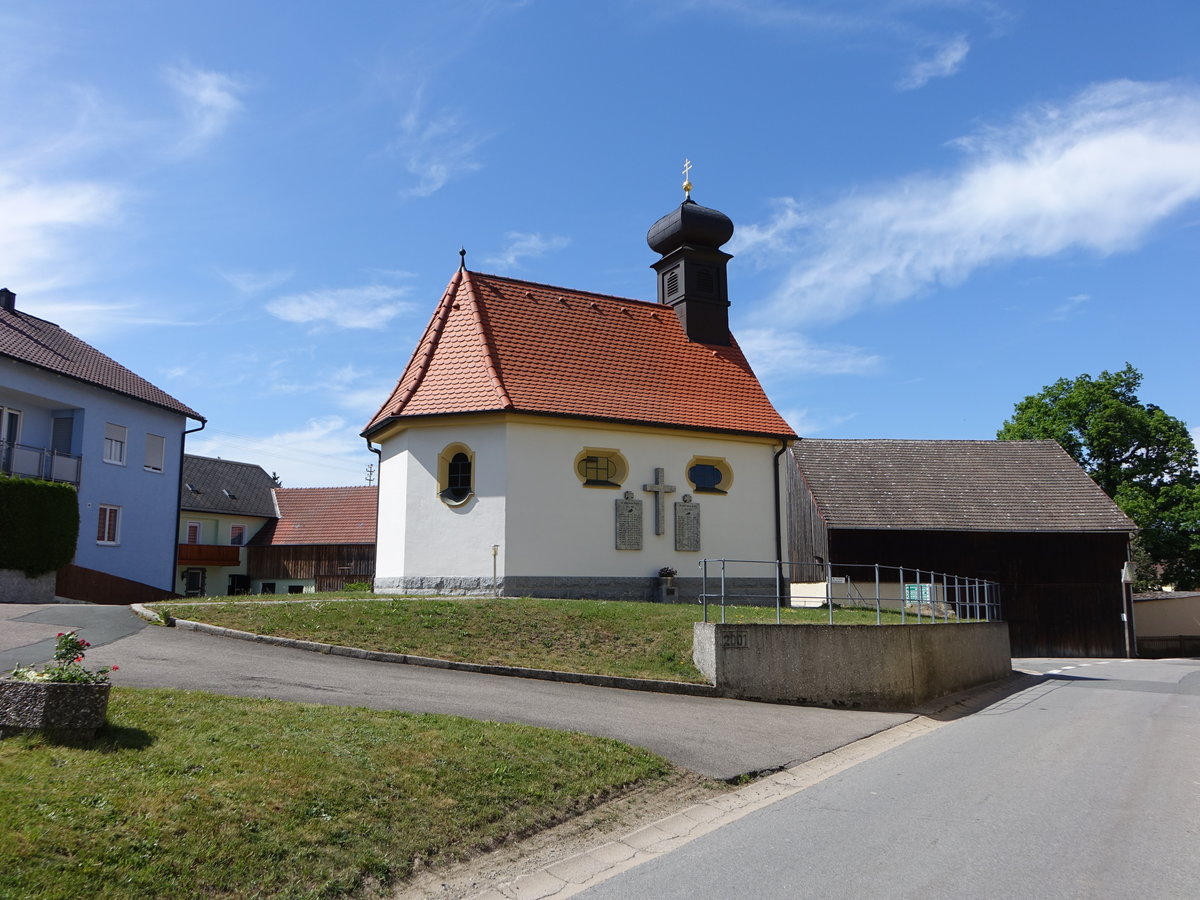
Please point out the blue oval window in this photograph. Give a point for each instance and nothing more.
(707, 478)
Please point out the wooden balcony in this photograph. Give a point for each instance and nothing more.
(208, 555)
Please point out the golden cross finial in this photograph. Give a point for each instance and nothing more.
(687, 182)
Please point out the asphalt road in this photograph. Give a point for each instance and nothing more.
(1084, 785)
(717, 738)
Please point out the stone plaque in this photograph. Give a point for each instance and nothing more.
(687, 525)
(629, 523)
(735, 639)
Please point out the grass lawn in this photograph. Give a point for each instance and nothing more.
(186, 794)
(638, 640)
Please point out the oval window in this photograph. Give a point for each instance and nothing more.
(707, 478)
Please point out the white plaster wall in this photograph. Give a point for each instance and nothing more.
(556, 526)
(1167, 617)
(419, 534)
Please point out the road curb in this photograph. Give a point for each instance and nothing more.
(407, 659)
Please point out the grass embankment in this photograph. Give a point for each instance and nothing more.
(185, 794)
(633, 640)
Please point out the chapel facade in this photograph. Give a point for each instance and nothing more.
(555, 442)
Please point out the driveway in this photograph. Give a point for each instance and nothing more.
(714, 737)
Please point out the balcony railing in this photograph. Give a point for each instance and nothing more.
(208, 555)
(38, 462)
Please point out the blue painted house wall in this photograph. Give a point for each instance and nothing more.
(147, 500)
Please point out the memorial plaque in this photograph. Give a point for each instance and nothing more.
(629, 523)
(687, 525)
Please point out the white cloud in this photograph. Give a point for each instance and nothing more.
(361, 307)
(39, 226)
(1095, 174)
(946, 60)
(255, 282)
(325, 452)
(772, 353)
(434, 150)
(1063, 311)
(210, 101)
(521, 245)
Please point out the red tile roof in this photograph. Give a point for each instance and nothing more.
(497, 344)
(43, 344)
(902, 485)
(335, 515)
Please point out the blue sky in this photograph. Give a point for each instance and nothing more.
(941, 205)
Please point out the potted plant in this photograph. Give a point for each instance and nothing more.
(63, 696)
(667, 591)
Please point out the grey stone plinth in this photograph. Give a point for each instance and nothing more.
(34, 704)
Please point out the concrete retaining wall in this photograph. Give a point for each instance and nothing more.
(856, 666)
(16, 588)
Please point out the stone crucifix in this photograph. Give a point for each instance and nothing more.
(660, 491)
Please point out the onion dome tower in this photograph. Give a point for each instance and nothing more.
(691, 273)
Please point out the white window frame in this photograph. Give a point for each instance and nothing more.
(232, 530)
(108, 525)
(116, 443)
(7, 415)
(156, 452)
(187, 533)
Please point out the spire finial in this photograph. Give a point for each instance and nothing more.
(687, 181)
(462, 257)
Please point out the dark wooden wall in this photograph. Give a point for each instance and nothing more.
(80, 583)
(1061, 593)
(333, 566)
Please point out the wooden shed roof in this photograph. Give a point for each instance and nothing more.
(1016, 486)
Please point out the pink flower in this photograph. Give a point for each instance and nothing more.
(114, 668)
(78, 659)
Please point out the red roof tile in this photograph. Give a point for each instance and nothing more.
(335, 515)
(497, 344)
(43, 344)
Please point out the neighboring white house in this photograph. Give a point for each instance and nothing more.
(70, 413)
(222, 505)
(556, 442)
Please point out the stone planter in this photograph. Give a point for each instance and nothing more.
(63, 707)
(667, 591)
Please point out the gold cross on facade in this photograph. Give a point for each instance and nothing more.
(687, 181)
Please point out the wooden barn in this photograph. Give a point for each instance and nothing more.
(323, 540)
(1022, 514)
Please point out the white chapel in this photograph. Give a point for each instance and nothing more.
(554, 442)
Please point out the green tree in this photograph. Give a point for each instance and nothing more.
(1140, 456)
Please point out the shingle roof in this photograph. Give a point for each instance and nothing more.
(43, 344)
(335, 515)
(225, 486)
(497, 344)
(954, 486)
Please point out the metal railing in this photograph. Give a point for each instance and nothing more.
(38, 462)
(929, 596)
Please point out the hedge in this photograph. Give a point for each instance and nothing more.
(39, 525)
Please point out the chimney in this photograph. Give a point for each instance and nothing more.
(691, 273)
(8, 300)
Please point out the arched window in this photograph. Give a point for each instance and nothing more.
(456, 474)
(458, 478)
